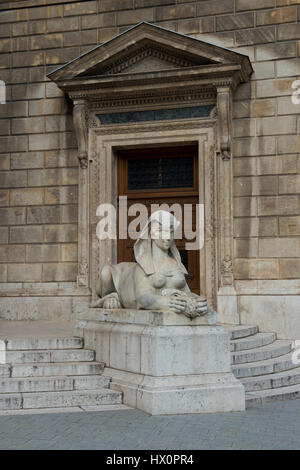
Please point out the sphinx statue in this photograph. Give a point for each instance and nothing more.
(156, 281)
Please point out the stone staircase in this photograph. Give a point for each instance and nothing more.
(52, 372)
(264, 365)
(58, 372)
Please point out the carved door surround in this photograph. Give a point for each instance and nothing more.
(150, 86)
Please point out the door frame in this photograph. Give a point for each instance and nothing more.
(105, 141)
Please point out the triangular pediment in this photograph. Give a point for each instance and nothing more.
(146, 48)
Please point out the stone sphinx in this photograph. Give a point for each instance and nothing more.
(156, 281)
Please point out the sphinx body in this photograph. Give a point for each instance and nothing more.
(156, 281)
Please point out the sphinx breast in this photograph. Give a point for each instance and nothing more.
(177, 281)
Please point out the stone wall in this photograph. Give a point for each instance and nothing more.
(38, 177)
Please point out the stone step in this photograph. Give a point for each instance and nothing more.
(278, 364)
(278, 348)
(52, 355)
(56, 368)
(272, 381)
(17, 344)
(15, 401)
(52, 384)
(255, 341)
(241, 331)
(278, 394)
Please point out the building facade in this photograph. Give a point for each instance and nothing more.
(218, 76)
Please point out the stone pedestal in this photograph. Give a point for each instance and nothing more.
(165, 363)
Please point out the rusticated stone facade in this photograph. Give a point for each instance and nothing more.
(39, 165)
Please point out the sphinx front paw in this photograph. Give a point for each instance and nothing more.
(111, 301)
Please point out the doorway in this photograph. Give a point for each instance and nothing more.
(165, 175)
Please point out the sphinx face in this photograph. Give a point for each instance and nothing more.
(162, 235)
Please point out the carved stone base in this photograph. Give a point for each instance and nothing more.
(166, 369)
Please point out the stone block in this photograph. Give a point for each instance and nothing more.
(4, 198)
(255, 4)
(263, 70)
(152, 3)
(243, 128)
(289, 163)
(4, 127)
(255, 36)
(289, 225)
(27, 234)
(214, 7)
(245, 206)
(289, 268)
(61, 233)
(5, 162)
(19, 161)
(27, 125)
(244, 166)
(37, 74)
(52, 91)
(69, 252)
(46, 41)
(12, 253)
(268, 227)
(3, 277)
(257, 185)
(63, 195)
(13, 179)
(3, 235)
(282, 247)
(272, 313)
(256, 269)
(59, 272)
(196, 25)
(14, 143)
(62, 24)
(245, 248)
(13, 216)
(81, 8)
(252, 147)
(26, 197)
(49, 177)
(48, 106)
(135, 16)
(69, 213)
(288, 68)
(268, 165)
(278, 87)
(246, 227)
(69, 176)
(288, 31)
(106, 34)
(27, 59)
(39, 253)
(37, 27)
(286, 106)
(43, 215)
(24, 272)
(289, 184)
(5, 30)
(103, 20)
(112, 5)
(61, 158)
(278, 205)
(59, 140)
(278, 16)
(175, 12)
(276, 125)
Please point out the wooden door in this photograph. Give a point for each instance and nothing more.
(157, 176)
